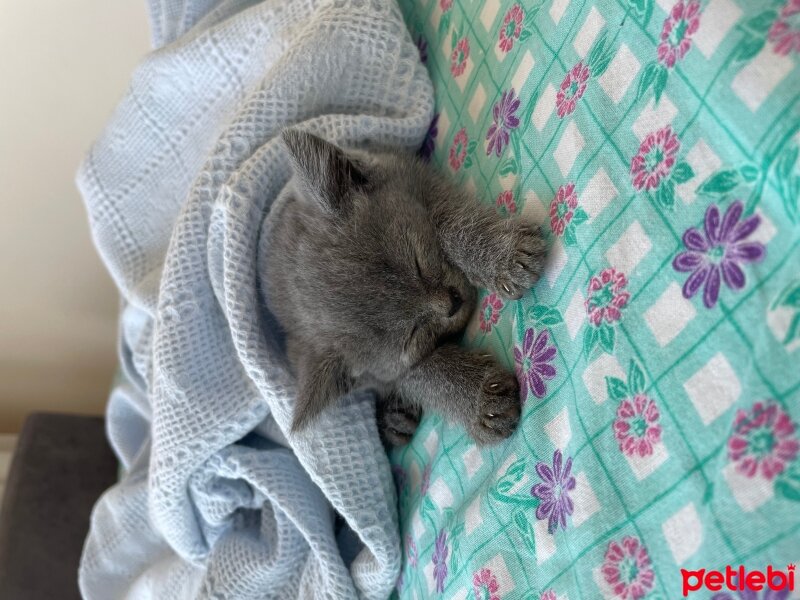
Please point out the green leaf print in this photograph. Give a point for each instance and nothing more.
(720, 182)
(635, 378)
(750, 46)
(655, 76)
(544, 316)
(761, 22)
(579, 216)
(525, 531)
(682, 173)
(665, 195)
(789, 182)
(749, 172)
(569, 237)
(444, 23)
(590, 339)
(660, 82)
(616, 388)
(647, 79)
(789, 296)
(788, 483)
(600, 56)
(644, 10)
(508, 166)
(607, 336)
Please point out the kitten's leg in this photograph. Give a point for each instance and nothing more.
(503, 255)
(467, 387)
(397, 419)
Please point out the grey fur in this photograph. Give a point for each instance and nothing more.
(367, 248)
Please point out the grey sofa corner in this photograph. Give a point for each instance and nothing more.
(61, 465)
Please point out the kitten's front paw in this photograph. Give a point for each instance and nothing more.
(498, 407)
(521, 261)
(398, 421)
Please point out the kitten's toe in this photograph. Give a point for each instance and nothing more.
(498, 408)
(524, 263)
(398, 423)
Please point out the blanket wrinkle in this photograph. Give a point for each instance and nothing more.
(217, 498)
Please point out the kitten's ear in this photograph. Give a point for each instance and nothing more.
(325, 172)
(321, 383)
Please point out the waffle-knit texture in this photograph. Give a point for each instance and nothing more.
(214, 501)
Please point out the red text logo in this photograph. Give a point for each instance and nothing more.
(738, 580)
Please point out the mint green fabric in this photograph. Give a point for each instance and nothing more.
(657, 144)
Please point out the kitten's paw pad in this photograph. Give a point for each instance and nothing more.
(398, 423)
(522, 261)
(498, 408)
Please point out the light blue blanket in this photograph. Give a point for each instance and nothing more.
(214, 500)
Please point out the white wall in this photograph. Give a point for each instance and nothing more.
(63, 66)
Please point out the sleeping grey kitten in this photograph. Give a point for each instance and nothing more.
(372, 265)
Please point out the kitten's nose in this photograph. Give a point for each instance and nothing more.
(455, 301)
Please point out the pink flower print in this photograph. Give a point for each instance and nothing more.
(485, 586)
(490, 312)
(627, 569)
(458, 59)
(764, 439)
(676, 35)
(533, 365)
(572, 88)
(548, 595)
(505, 203)
(606, 296)
(445, 5)
(458, 151)
(655, 159)
(636, 426)
(718, 255)
(785, 31)
(511, 28)
(562, 208)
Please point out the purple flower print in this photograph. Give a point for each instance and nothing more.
(719, 254)
(532, 363)
(411, 551)
(426, 480)
(557, 482)
(504, 121)
(429, 143)
(439, 558)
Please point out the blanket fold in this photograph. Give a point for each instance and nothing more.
(214, 501)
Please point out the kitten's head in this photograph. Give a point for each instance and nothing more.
(377, 292)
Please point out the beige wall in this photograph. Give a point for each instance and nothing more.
(63, 66)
